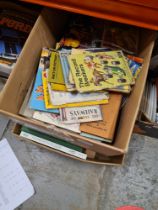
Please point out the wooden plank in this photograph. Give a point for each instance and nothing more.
(139, 13)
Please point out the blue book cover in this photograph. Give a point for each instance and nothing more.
(66, 69)
(37, 97)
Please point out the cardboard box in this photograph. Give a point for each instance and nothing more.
(48, 27)
(98, 159)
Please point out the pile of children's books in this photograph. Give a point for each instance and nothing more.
(80, 84)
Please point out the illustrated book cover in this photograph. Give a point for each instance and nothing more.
(37, 97)
(55, 73)
(70, 85)
(101, 70)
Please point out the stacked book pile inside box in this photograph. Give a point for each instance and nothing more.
(82, 83)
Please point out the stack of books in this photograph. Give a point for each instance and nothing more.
(80, 83)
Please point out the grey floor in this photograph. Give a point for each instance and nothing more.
(65, 184)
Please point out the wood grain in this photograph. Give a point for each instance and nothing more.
(140, 13)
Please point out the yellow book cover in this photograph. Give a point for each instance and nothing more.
(49, 105)
(55, 74)
(122, 89)
(100, 70)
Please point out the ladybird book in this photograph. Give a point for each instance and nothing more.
(101, 70)
(70, 85)
(55, 73)
(36, 101)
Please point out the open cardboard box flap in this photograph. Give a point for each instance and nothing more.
(48, 27)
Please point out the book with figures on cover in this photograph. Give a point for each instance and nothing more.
(101, 70)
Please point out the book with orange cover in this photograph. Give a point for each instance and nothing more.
(106, 127)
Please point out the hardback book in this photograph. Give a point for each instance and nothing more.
(97, 138)
(55, 119)
(69, 82)
(122, 89)
(81, 114)
(55, 73)
(101, 70)
(37, 97)
(50, 141)
(106, 127)
(60, 99)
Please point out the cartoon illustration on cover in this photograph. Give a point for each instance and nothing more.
(101, 70)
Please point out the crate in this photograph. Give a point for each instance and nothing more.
(48, 27)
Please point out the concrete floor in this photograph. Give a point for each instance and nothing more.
(65, 184)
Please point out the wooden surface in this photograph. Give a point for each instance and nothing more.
(143, 13)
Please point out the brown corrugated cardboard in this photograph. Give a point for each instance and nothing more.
(92, 157)
(48, 26)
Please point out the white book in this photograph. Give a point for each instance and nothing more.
(153, 118)
(81, 114)
(55, 119)
(15, 187)
(54, 145)
(61, 97)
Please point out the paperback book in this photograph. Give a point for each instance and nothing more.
(70, 85)
(37, 97)
(81, 114)
(60, 99)
(106, 127)
(55, 119)
(53, 142)
(55, 73)
(101, 70)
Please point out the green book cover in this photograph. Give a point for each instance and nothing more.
(51, 138)
(55, 74)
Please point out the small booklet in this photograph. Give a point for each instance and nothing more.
(54, 119)
(55, 73)
(81, 114)
(15, 187)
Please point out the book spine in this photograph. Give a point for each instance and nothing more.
(54, 145)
